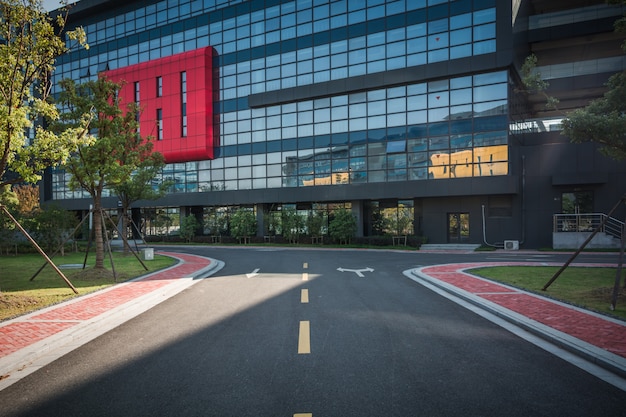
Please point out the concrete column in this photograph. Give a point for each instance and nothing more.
(357, 211)
(260, 219)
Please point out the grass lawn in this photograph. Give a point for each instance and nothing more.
(590, 288)
(20, 295)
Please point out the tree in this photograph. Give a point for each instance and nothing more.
(292, 224)
(139, 186)
(534, 82)
(28, 196)
(8, 233)
(216, 222)
(31, 42)
(342, 226)
(188, 226)
(603, 121)
(315, 223)
(53, 225)
(243, 223)
(105, 163)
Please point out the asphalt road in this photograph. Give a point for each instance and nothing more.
(313, 333)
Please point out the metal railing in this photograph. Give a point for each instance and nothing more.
(588, 222)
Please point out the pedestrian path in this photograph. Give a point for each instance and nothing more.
(597, 338)
(31, 341)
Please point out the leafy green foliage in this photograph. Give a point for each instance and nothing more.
(342, 226)
(52, 226)
(292, 224)
(315, 223)
(116, 149)
(534, 82)
(188, 226)
(31, 42)
(603, 121)
(216, 222)
(243, 223)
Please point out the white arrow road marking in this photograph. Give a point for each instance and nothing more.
(253, 273)
(359, 272)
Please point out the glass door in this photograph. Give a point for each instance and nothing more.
(458, 227)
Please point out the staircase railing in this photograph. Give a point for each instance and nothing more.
(588, 222)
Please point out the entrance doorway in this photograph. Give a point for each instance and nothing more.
(458, 227)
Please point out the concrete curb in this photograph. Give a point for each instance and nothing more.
(606, 360)
(21, 363)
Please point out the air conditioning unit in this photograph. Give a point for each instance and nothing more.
(511, 245)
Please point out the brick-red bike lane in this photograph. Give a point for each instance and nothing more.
(24, 331)
(603, 333)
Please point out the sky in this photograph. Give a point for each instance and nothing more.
(49, 5)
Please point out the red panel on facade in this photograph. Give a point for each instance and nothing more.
(176, 144)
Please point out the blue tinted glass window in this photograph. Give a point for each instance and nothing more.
(489, 123)
(484, 16)
(288, 20)
(438, 26)
(438, 41)
(290, 144)
(375, 12)
(273, 146)
(461, 36)
(461, 126)
(321, 25)
(396, 49)
(321, 12)
(339, 21)
(463, 96)
(376, 53)
(396, 35)
(460, 51)
(396, 7)
(461, 21)
(490, 78)
(376, 39)
(257, 28)
(415, 31)
(416, 45)
(484, 47)
(356, 17)
(438, 143)
(272, 24)
(438, 55)
(484, 32)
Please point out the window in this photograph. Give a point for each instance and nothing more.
(183, 103)
(159, 118)
(159, 86)
(136, 88)
(137, 92)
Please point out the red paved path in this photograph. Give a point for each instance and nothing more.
(603, 333)
(24, 331)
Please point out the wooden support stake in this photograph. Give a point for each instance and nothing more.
(39, 249)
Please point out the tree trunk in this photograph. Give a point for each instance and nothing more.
(97, 227)
(124, 231)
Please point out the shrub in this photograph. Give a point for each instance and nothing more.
(243, 223)
(188, 226)
(342, 226)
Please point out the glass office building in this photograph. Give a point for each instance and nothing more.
(373, 105)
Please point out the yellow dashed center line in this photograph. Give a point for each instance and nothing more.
(305, 276)
(304, 296)
(304, 339)
(303, 415)
(305, 265)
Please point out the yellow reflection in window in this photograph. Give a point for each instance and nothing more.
(483, 161)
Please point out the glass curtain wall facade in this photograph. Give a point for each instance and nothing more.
(452, 127)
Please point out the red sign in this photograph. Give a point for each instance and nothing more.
(175, 97)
